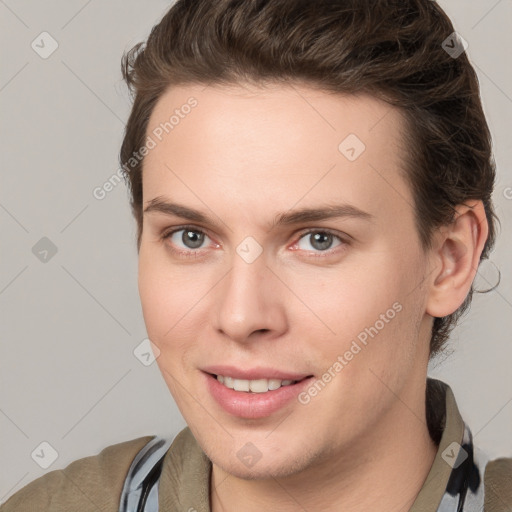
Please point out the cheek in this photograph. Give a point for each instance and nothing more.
(374, 305)
(352, 296)
(174, 302)
(161, 296)
(162, 310)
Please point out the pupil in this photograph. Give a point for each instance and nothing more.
(192, 239)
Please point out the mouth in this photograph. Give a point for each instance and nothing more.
(255, 385)
(255, 398)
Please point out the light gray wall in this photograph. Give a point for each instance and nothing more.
(69, 325)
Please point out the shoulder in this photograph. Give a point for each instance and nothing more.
(498, 484)
(92, 483)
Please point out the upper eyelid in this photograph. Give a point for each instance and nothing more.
(166, 233)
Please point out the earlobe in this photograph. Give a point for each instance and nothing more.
(457, 258)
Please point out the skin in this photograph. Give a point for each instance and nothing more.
(243, 155)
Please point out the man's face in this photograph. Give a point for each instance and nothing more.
(338, 301)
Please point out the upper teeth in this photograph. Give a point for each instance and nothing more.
(256, 386)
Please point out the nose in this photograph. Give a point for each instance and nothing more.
(249, 302)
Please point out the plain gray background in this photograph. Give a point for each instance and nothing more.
(70, 324)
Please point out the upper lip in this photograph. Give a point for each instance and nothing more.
(259, 372)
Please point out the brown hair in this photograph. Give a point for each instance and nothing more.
(394, 50)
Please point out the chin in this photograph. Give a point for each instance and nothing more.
(270, 464)
(260, 471)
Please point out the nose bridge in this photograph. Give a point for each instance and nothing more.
(247, 299)
(246, 283)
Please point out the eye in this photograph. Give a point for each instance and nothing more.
(185, 240)
(320, 240)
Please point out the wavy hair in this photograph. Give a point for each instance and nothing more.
(395, 50)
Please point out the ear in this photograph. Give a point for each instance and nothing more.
(456, 257)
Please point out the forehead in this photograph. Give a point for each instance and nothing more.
(280, 144)
(247, 110)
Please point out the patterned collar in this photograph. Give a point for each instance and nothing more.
(455, 482)
(465, 489)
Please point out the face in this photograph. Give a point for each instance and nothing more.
(235, 282)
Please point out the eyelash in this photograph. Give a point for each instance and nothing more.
(193, 253)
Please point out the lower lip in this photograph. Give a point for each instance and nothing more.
(253, 405)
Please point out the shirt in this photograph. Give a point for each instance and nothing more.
(461, 479)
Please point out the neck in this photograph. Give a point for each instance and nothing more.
(393, 461)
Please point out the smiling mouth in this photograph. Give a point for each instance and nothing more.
(255, 385)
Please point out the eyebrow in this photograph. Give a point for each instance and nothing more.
(160, 205)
